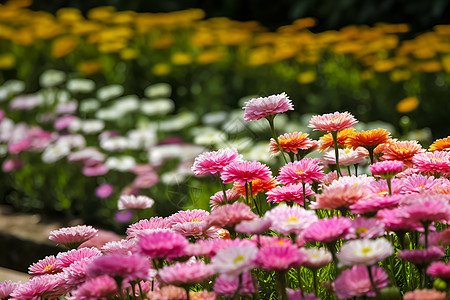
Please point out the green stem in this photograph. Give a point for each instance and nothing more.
(187, 292)
(388, 181)
(336, 153)
(372, 282)
(274, 135)
(281, 285)
(316, 287)
(246, 192)
(253, 200)
(304, 194)
(223, 188)
(236, 293)
(370, 149)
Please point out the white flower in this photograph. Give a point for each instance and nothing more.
(141, 138)
(316, 257)
(177, 176)
(89, 105)
(92, 126)
(346, 156)
(109, 92)
(158, 90)
(286, 219)
(258, 151)
(232, 261)
(121, 163)
(365, 252)
(80, 85)
(208, 136)
(73, 141)
(55, 152)
(131, 201)
(179, 122)
(214, 118)
(11, 87)
(108, 114)
(157, 107)
(126, 104)
(52, 78)
(158, 154)
(6, 129)
(26, 102)
(117, 143)
(66, 107)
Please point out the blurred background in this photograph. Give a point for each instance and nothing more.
(103, 98)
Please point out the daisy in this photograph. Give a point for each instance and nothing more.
(419, 183)
(209, 248)
(190, 223)
(439, 270)
(122, 247)
(65, 259)
(306, 170)
(355, 282)
(44, 286)
(289, 193)
(279, 257)
(259, 108)
(381, 188)
(327, 230)
(422, 258)
(218, 199)
(162, 244)
(146, 226)
(233, 261)
(316, 258)
(215, 161)
(374, 204)
(44, 266)
(182, 274)
(7, 287)
(129, 267)
(326, 141)
(433, 162)
(393, 220)
(75, 274)
(386, 169)
(296, 142)
(245, 171)
(286, 219)
(440, 145)
(425, 294)
(332, 122)
(425, 208)
(229, 215)
(95, 288)
(347, 157)
(72, 237)
(366, 228)
(365, 252)
(227, 288)
(135, 202)
(402, 151)
(255, 226)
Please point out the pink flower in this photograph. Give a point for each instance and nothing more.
(393, 220)
(162, 244)
(168, 292)
(12, 164)
(425, 294)
(426, 208)
(229, 215)
(262, 107)
(146, 226)
(7, 287)
(44, 266)
(279, 257)
(381, 187)
(72, 237)
(64, 122)
(286, 220)
(215, 161)
(75, 274)
(43, 286)
(439, 238)
(365, 252)
(386, 169)
(189, 222)
(316, 258)
(439, 270)
(122, 247)
(373, 205)
(418, 183)
(299, 295)
(433, 162)
(90, 155)
(366, 228)
(327, 230)
(421, 257)
(185, 273)
(347, 156)
(332, 122)
(134, 202)
(226, 288)
(245, 171)
(65, 259)
(99, 287)
(145, 181)
(306, 170)
(217, 199)
(232, 261)
(104, 191)
(289, 193)
(341, 195)
(355, 282)
(209, 248)
(255, 226)
(120, 266)
(96, 170)
(265, 240)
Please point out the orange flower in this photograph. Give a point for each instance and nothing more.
(292, 142)
(402, 151)
(440, 145)
(64, 45)
(90, 67)
(326, 141)
(370, 138)
(257, 186)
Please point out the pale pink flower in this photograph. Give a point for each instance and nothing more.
(258, 108)
(332, 122)
(439, 269)
(371, 206)
(7, 287)
(145, 181)
(134, 202)
(232, 261)
(438, 238)
(64, 122)
(306, 170)
(162, 244)
(327, 230)
(72, 237)
(347, 156)
(95, 288)
(130, 267)
(433, 162)
(227, 288)
(381, 188)
(44, 266)
(229, 215)
(363, 180)
(425, 294)
(190, 223)
(122, 247)
(26, 102)
(39, 287)
(215, 161)
(386, 169)
(11, 164)
(365, 252)
(355, 282)
(245, 171)
(255, 226)
(89, 155)
(202, 295)
(65, 259)
(426, 207)
(289, 193)
(420, 257)
(316, 258)
(265, 240)
(217, 199)
(95, 170)
(330, 177)
(209, 248)
(393, 220)
(146, 226)
(168, 292)
(366, 228)
(286, 220)
(104, 191)
(279, 257)
(185, 273)
(419, 183)
(75, 274)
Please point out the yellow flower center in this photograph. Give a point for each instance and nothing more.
(355, 183)
(366, 250)
(48, 267)
(238, 259)
(382, 192)
(292, 219)
(361, 230)
(347, 151)
(435, 158)
(280, 243)
(299, 172)
(314, 256)
(195, 220)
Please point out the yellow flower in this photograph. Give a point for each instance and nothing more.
(446, 63)
(430, 66)
(367, 75)
(304, 23)
(64, 45)
(23, 37)
(19, 3)
(162, 42)
(69, 15)
(408, 104)
(85, 27)
(400, 75)
(90, 67)
(101, 13)
(383, 65)
(161, 69)
(260, 56)
(123, 17)
(210, 56)
(112, 47)
(128, 53)
(181, 58)
(306, 77)
(7, 61)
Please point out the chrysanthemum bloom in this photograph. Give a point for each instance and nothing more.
(327, 230)
(326, 141)
(439, 269)
(162, 244)
(438, 238)
(245, 171)
(403, 151)
(255, 226)
(368, 139)
(306, 170)
(217, 199)
(202, 295)
(371, 206)
(332, 122)
(104, 191)
(386, 169)
(146, 226)
(6, 287)
(296, 142)
(233, 261)
(366, 228)
(426, 208)
(299, 295)
(286, 219)
(44, 266)
(40, 287)
(95, 288)
(182, 274)
(189, 222)
(258, 108)
(289, 193)
(433, 162)
(72, 237)
(215, 161)
(365, 252)
(134, 202)
(65, 259)
(75, 274)
(209, 248)
(279, 257)
(168, 292)
(425, 294)
(420, 257)
(440, 145)
(355, 282)
(381, 188)
(347, 157)
(330, 177)
(227, 288)
(129, 267)
(393, 220)
(258, 186)
(316, 258)
(230, 214)
(122, 247)
(420, 183)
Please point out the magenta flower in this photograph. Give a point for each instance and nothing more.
(189, 222)
(232, 261)
(44, 266)
(341, 195)
(39, 287)
(289, 193)
(393, 220)
(286, 220)
(262, 107)
(72, 237)
(65, 259)
(420, 257)
(104, 191)
(306, 170)
(371, 206)
(439, 270)
(131, 267)
(134, 202)
(146, 226)
(7, 287)
(355, 282)
(387, 169)
(122, 247)
(327, 230)
(426, 208)
(433, 162)
(95, 288)
(245, 171)
(280, 257)
(75, 274)
(217, 199)
(230, 214)
(162, 244)
(64, 122)
(332, 122)
(209, 248)
(226, 288)
(95, 170)
(185, 273)
(215, 161)
(419, 183)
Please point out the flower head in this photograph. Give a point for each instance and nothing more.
(367, 139)
(258, 186)
(402, 151)
(95, 288)
(439, 269)
(332, 122)
(72, 237)
(229, 215)
(421, 257)
(341, 195)
(162, 244)
(316, 258)
(327, 230)
(356, 282)
(262, 107)
(386, 169)
(130, 267)
(232, 261)
(440, 145)
(365, 252)
(215, 161)
(370, 206)
(227, 288)
(254, 226)
(289, 193)
(217, 199)
(146, 226)
(326, 141)
(433, 162)
(135, 202)
(245, 171)
(306, 170)
(279, 257)
(347, 156)
(189, 222)
(286, 220)
(44, 266)
(185, 273)
(425, 294)
(293, 142)
(7, 287)
(65, 259)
